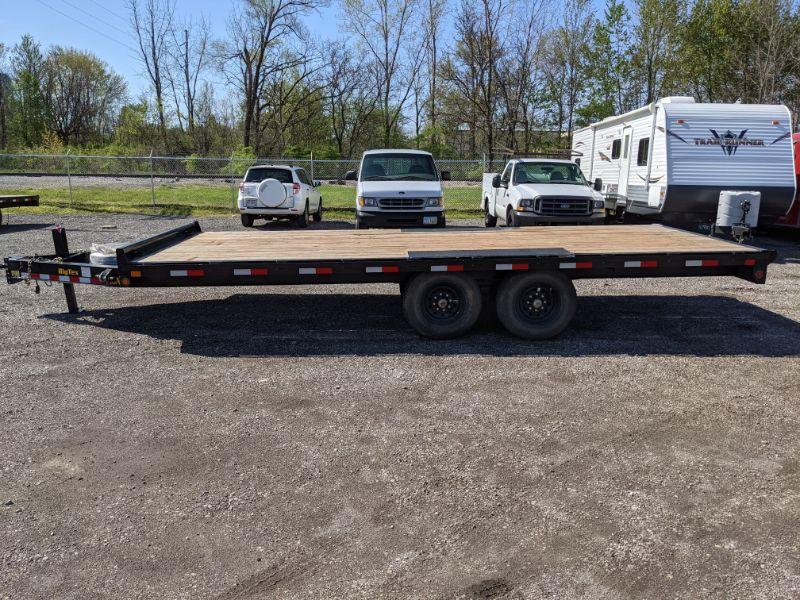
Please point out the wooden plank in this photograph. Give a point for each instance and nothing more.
(395, 244)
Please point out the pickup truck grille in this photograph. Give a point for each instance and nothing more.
(401, 203)
(563, 206)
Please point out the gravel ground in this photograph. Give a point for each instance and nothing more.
(303, 442)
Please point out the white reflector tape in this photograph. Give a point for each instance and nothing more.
(439, 268)
(374, 269)
(64, 278)
(86, 272)
(307, 271)
(86, 280)
(241, 271)
(694, 263)
(180, 273)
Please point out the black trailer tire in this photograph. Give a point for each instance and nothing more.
(536, 306)
(318, 215)
(489, 220)
(247, 220)
(442, 305)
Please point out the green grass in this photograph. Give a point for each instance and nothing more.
(182, 200)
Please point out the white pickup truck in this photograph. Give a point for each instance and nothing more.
(398, 188)
(533, 191)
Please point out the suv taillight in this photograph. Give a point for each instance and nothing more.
(241, 186)
(295, 188)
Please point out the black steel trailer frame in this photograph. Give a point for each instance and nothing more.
(16, 202)
(486, 268)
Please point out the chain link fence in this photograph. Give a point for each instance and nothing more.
(192, 185)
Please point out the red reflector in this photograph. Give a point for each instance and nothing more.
(710, 263)
(455, 267)
(194, 273)
(393, 269)
(74, 279)
(583, 265)
(324, 270)
(258, 271)
(96, 281)
(649, 264)
(519, 267)
(750, 262)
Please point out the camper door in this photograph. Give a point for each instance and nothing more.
(625, 161)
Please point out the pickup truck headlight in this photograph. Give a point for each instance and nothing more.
(526, 204)
(599, 204)
(367, 201)
(438, 201)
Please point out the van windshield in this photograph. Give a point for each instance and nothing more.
(258, 174)
(398, 167)
(544, 172)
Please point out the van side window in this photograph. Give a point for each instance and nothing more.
(616, 149)
(641, 154)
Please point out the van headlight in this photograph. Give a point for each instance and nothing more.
(437, 201)
(362, 201)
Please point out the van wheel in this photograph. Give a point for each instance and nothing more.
(442, 305)
(536, 306)
(318, 214)
(489, 220)
(247, 220)
(302, 220)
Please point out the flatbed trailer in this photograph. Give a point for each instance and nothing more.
(15, 202)
(445, 276)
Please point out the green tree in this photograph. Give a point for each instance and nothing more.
(28, 114)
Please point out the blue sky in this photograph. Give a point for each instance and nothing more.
(101, 26)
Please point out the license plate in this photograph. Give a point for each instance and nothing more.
(250, 202)
(430, 220)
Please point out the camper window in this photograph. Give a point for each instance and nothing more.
(616, 149)
(641, 155)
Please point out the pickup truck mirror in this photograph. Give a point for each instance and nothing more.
(445, 175)
(496, 181)
(598, 185)
(350, 176)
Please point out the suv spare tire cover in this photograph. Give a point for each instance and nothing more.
(271, 193)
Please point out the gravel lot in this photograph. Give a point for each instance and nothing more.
(303, 442)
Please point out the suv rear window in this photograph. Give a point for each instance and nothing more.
(260, 174)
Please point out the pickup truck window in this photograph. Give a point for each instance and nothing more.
(398, 167)
(259, 175)
(541, 172)
(506, 176)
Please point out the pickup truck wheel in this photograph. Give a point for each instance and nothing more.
(511, 219)
(360, 224)
(536, 306)
(247, 220)
(302, 220)
(442, 305)
(318, 214)
(489, 220)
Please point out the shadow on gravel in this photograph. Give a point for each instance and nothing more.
(371, 325)
(19, 228)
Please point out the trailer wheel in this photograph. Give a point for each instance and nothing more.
(442, 305)
(536, 306)
(247, 220)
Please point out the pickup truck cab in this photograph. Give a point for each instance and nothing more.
(398, 188)
(279, 192)
(540, 191)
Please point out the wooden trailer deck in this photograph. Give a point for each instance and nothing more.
(396, 244)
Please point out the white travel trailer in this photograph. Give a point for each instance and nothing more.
(671, 159)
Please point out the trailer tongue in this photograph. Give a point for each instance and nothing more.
(444, 276)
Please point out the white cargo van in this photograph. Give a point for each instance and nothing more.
(398, 188)
(671, 159)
